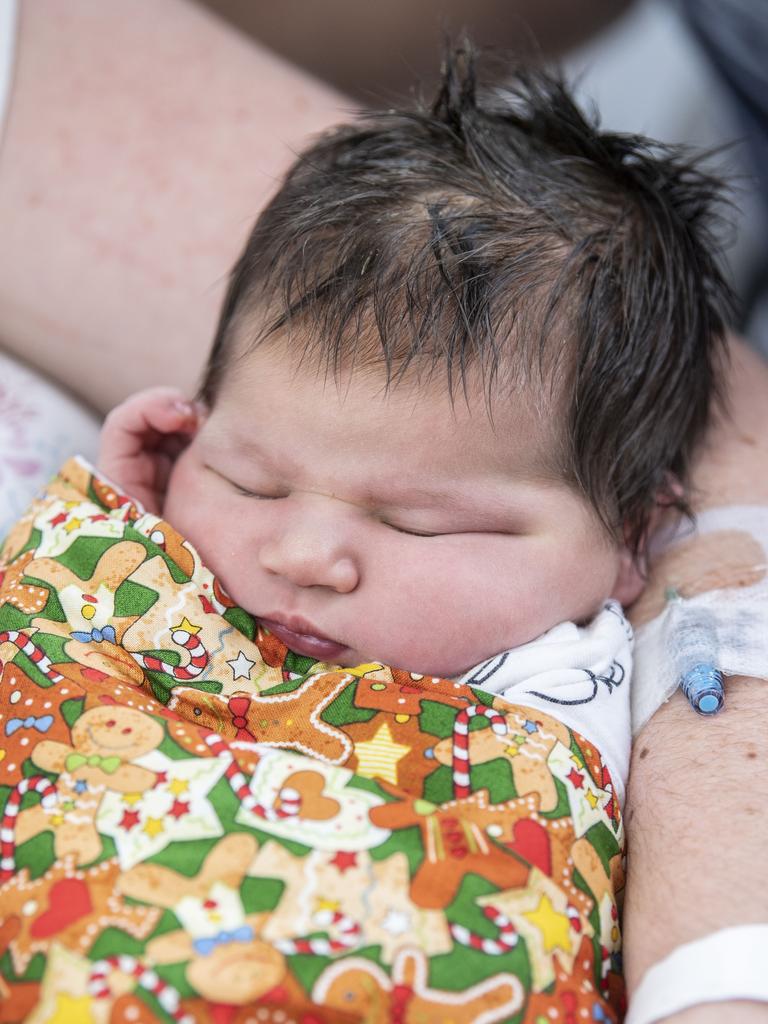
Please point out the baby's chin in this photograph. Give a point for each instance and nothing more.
(415, 667)
(438, 667)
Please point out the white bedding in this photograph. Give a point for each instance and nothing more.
(40, 426)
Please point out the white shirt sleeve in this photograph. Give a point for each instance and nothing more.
(579, 675)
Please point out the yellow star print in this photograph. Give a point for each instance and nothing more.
(379, 756)
(591, 798)
(178, 786)
(73, 524)
(363, 670)
(131, 798)
(154, 826)
(188, 626)
(554, 927)
(72, 1010)
(324, 904)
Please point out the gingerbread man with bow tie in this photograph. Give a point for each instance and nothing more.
(105, 740)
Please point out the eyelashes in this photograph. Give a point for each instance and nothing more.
(261, 496)
(410, 533)
(276, 497)
(254, 494)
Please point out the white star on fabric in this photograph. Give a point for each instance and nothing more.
(241, 666)
(200, 822)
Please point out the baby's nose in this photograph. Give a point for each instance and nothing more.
(310, 550)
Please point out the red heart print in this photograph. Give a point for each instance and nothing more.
(531, 842)
(68, 901)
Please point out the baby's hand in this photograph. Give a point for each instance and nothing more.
(141, 439)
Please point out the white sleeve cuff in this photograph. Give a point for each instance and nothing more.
(726, 965)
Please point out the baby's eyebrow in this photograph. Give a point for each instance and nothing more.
(250, 448)
(418, 497)
(489, 505)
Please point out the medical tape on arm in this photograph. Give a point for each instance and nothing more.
(735, 610)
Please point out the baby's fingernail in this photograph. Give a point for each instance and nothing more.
(185, 408)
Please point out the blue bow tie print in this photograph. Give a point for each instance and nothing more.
(41, 724)
(97, 635)
(206, 946)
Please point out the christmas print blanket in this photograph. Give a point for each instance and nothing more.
(200, 825)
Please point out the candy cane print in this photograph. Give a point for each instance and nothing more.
(461, 786)
(198, 657)
(129, 511)
(32, 651)
(290, 799)
(37, 784)
(146, 978)
(574, 917)
(320, 946)
(605, 967)
(506, 941)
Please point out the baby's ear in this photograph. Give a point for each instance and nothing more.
(630, 579)
(632, 576)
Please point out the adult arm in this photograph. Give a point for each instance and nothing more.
(699, 786)
(142, 139)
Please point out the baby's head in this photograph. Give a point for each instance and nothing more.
(464, 357)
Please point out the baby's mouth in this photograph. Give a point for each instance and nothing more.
(302, 638)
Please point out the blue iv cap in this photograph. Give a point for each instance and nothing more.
(703, 686)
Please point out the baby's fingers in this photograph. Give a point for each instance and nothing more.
(144, 421)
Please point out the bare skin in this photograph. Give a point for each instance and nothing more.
(128, 180)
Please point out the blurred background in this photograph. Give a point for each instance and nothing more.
(681, 71)
(372, 50)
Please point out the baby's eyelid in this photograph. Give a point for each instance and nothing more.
(452, 533)
(412, 533)
(239, 489)
(254, 494)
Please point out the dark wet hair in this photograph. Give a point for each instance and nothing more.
(501, 233)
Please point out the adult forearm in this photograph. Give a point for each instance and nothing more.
(141, 141)
(697, 826)
(696, 818)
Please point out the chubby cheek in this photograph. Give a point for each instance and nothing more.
(582, 580)
(450, 613)
(192, 508)
(485, 606)
(185, 498)
(198, 507)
